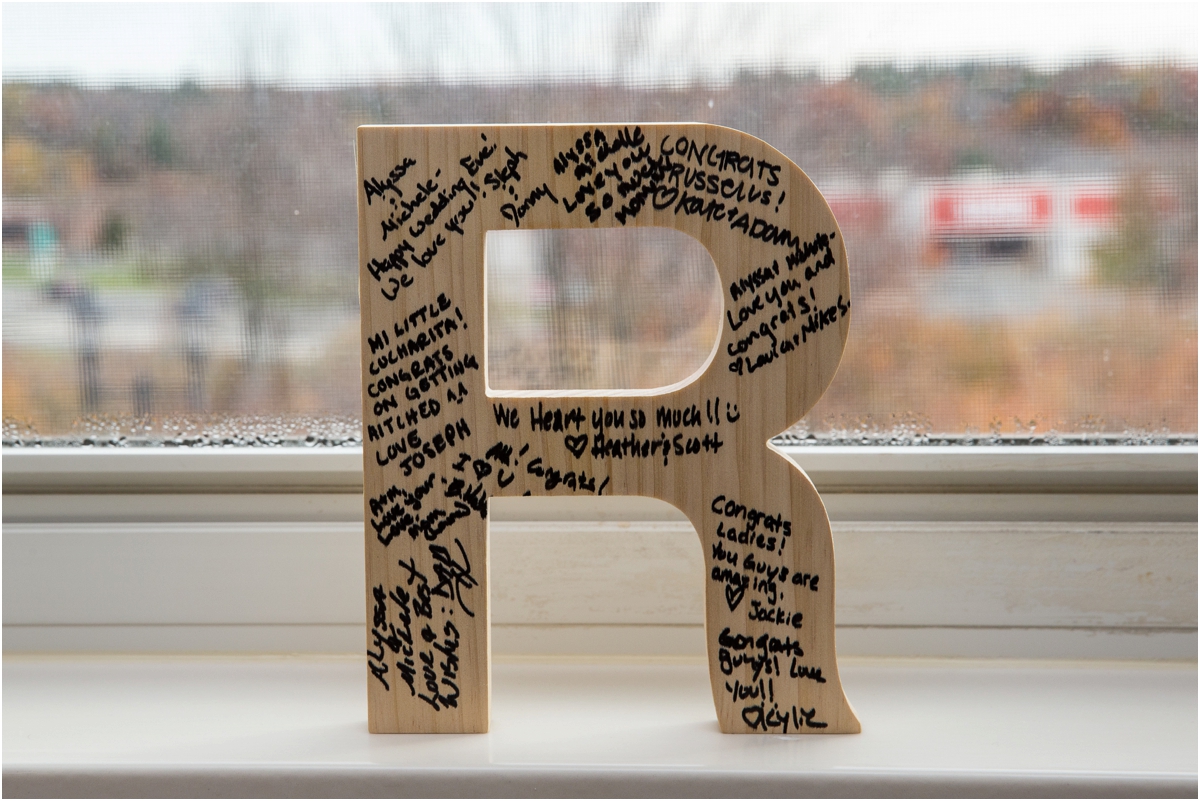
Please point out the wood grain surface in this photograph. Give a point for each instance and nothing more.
(437, 445)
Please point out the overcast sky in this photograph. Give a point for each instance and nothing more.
(319, 44)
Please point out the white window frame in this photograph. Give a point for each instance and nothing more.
(1119, 511)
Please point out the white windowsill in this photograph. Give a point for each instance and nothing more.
(278, 727)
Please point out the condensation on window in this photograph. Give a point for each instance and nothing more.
(180, 249)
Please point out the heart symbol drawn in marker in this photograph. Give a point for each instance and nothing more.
(576, 445)
(733, 595)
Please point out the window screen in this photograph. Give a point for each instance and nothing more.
(1016, 186)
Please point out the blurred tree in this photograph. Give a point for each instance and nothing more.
(113, 232)
(1132, 257)
(24, 166)
(160, 145)
(109, 151)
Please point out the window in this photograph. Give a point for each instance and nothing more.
(1020, 210)
(180, 269)
(1018, 194)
